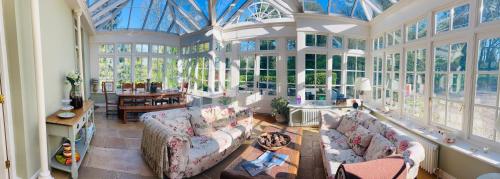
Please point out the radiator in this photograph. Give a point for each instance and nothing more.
(310, 117)
(430, 163)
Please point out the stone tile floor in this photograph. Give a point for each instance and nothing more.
(115, 152)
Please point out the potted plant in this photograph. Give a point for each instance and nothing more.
(280, 109)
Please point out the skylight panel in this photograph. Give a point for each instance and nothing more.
(155, 13)
(121, 20)
(137, 18)
(343, 7)
(359, 12)
(382, 4)
(320, 6)
(203, 4)
(233, 11)
(183, 21)
(166, 21)
(221, 6)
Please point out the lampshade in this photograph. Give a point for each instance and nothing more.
(363, 84)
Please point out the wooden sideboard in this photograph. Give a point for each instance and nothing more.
(69, 129)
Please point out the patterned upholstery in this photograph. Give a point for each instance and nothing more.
(171, 149)
(335, 145)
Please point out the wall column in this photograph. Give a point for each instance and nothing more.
(78, 14)
(40, 92)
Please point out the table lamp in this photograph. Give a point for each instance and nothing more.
(362, 85)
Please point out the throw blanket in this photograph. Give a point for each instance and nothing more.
(155, 146)
(390, 167)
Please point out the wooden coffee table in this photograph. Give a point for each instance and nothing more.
(287, 170)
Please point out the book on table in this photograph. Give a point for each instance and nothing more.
(266, 161)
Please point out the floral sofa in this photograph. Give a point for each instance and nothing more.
(358, 137)
(181, 143)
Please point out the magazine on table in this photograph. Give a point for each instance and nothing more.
(266, 161)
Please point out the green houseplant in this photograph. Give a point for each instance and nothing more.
(280, 109)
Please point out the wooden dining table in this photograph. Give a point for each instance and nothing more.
(134, 96)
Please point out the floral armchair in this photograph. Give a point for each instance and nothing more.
(359, 137)
(181, 143)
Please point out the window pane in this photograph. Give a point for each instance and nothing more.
(337, 42)
(390, 39)
(321, 62)
(105, 69)
(351, 63)
(441, 58)
(421, 60)
(461, 17)
(321, 77)
(438, 111)
(483, 124)
(458, 57)
(422, 28)
(123, 71)
(455, 114)
(310, 40)
(410, 61)
(123, 48)
(351, 43)
(309, 77)
(456, 87)
(443, 21)
(141, 69)
(491, 10)
(489, 54)
(397, 37)
(360, 64)
(412, 32)
(310, 61)
(291, 44)
(336, 78)
(351, 77)
(440, 85)
(337, 62)
(486, 89)
(172, 73)
(321, 40)
(157, 69)
(291, 63)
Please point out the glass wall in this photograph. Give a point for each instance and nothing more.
(267, 74)
(355, 69)
(316, 65)
(414, 89)
(392, 79)
(247, 65)
(291, 76)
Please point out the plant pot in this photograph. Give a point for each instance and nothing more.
(280, 118)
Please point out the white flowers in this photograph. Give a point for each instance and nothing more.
(73, 78)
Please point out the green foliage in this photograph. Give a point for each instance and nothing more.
(280, 106)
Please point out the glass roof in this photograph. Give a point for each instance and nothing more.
(185, 16)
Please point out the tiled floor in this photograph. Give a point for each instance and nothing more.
(115, 153)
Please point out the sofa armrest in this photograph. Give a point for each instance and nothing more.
(178, 155)
(330, 119)
(414, 154)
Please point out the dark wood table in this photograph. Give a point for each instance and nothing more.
(287, 170)
(122, 95)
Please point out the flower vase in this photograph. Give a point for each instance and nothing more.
(76, 98)
(67, 90)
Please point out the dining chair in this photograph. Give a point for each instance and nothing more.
(109, 103)
(127, 87)
(184, 89)
(140, 86)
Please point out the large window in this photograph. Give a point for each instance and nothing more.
(414, 89)
(217, 80)
(337, 42)
(157, 69)
(105, 69)
(486, 104)
(452, 19)
(490, 10)
(356, 44)
(291, 76)
(392, 79)
(377, 79)
(158, 49)
(247, 64)
(393, 38)
(355, 69)
(247, 46)
(140, 69)
(417, 30)
(291, 44)
(106, 48)
(123, 71)
(172, 73)
(378, 43)
(267, 74)
(202, 82)
(268, 45)
(336, 76)
(449, 84)
(316, 66)
(123, 48)
(316, 40)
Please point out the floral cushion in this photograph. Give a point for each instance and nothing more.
(341, 156)
(359, 140)
(347, 125)
(378, 127)
(201, 121)
(225, 118)
(176, 121)
(400, 141)
(331, 119)
(379, 148)
(333, 139)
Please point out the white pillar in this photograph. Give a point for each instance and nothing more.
(40, 93)
(78, 14)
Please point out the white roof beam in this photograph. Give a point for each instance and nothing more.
(368, 11)
(373, 6)
(162, 16)
(180, 24)
(186, 15)
(354, 7)
(104, 19)
(195, 5)
(173, 18)
(97, 5)
(108, 9)
(212, 13)
(393, 1)
(280, 7)
(147, 15)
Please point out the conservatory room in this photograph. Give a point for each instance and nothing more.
(233, 89)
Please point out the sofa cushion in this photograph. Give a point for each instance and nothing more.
(379, 148)
(175, 121)
(331, 120)
(333, 139)
(347, 125)
(340, 155)
(225, 117)
(378, 127)
(201, 120)
(359, 140)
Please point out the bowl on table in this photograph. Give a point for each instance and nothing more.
(273, 140)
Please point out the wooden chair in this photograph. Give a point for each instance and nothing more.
(184, 89)
(140, 86)
(105, 91)
(127, 86)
